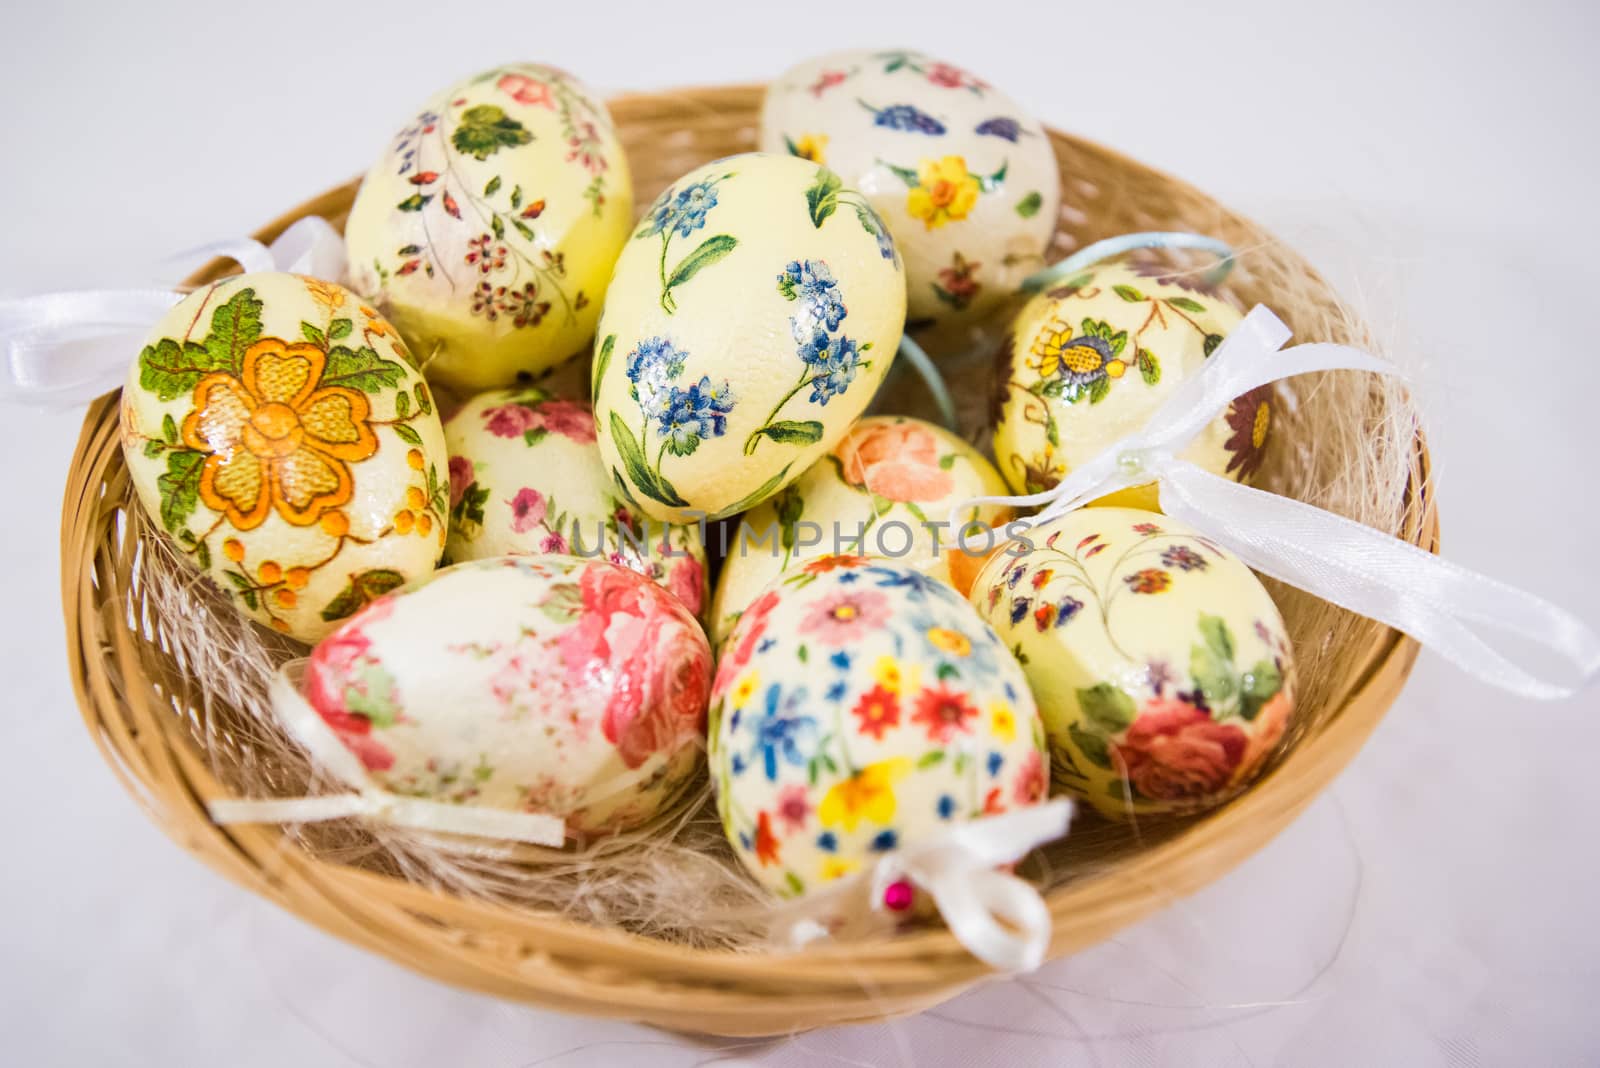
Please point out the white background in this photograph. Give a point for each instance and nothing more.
(1437, 906)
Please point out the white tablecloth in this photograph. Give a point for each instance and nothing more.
(1436, 906)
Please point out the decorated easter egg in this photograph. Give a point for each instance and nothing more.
(489, 227)
(1090, 361)
(750, 319)
(966, 181)
(574, 688)
(885, 490)
(277, 429)
(1160, 664)
(858, 708)
(526, 477)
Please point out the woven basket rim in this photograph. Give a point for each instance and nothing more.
(929, 962)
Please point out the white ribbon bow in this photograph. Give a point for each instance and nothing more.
(367, 800)
(1335, 558)
(64, 349)
(998, 917)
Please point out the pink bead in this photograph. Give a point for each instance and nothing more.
(897, 896)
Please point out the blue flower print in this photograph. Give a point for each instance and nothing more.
(783, 732)
(1019, 609)
(946, 807)
(652, 365)
(690, 206)
(840, 660)
(835, 371)
(906, 118)
(917, 585)
(812, 282)
(837, 691)
(1000, 126)
(679, 213)
(828, 842)
(884, 842)
(996, 760)
(693, 414)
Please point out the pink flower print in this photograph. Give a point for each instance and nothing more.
(527, 91)
(686, 581)
(510, 420)
(794, 806)
(571, 419)
(843, 616)
(460, 478)
(553, 542)
(528, 509)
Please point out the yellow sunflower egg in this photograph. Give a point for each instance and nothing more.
(885, 490)
(488, 229)
(269, 425)
(965, 180)
(1091, 360)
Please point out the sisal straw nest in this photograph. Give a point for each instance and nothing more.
(172, 684)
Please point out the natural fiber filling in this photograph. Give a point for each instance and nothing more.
(173, 682)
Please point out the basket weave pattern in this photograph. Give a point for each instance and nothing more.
(138, 701)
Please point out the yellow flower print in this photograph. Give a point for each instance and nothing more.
(746, 687)
(327, 294)
(887, 674)
(837, 868)
(1077, 357)
(944, 191)
(951, 641)
(1002, 722)
(868, 793)
(811, 147)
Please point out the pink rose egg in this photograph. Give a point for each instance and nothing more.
(857, 710)
(526, 477)
(570, 687)
(1161, 665)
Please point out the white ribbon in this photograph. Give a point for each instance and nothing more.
(1337, 559)
(67, 348)
(368, 800)
(998, 917)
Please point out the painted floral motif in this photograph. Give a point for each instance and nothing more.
(594, 522)
(941, 191)
(1250, 419)
(679, 417)
(858, 707)
(680, 213)
(958, 283)
(1082, 358)
(826, 194)
(901, 462)
(516, 283)
(829, 359)
(275, 428)
(944, 75)
(811, 146)
(1003, 127)
(352, 691)
(905, 117)
(1183, 738)
(553, 685)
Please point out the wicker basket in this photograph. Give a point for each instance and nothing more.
(136, 703)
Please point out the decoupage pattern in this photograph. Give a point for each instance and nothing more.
(277, 429)
(543, 684)
(1161, 665)
(857, 706)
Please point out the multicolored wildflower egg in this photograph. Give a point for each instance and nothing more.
(277, 429)
(526, 477)
(860, 708)
(488, 229)
(1090, 361)
(885, 490)
(1160, 664)
(749, 322)
(574, 688)
(967, 182)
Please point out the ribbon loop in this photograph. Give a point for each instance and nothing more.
(63, 349)
(998, 917)
(1337, 559)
